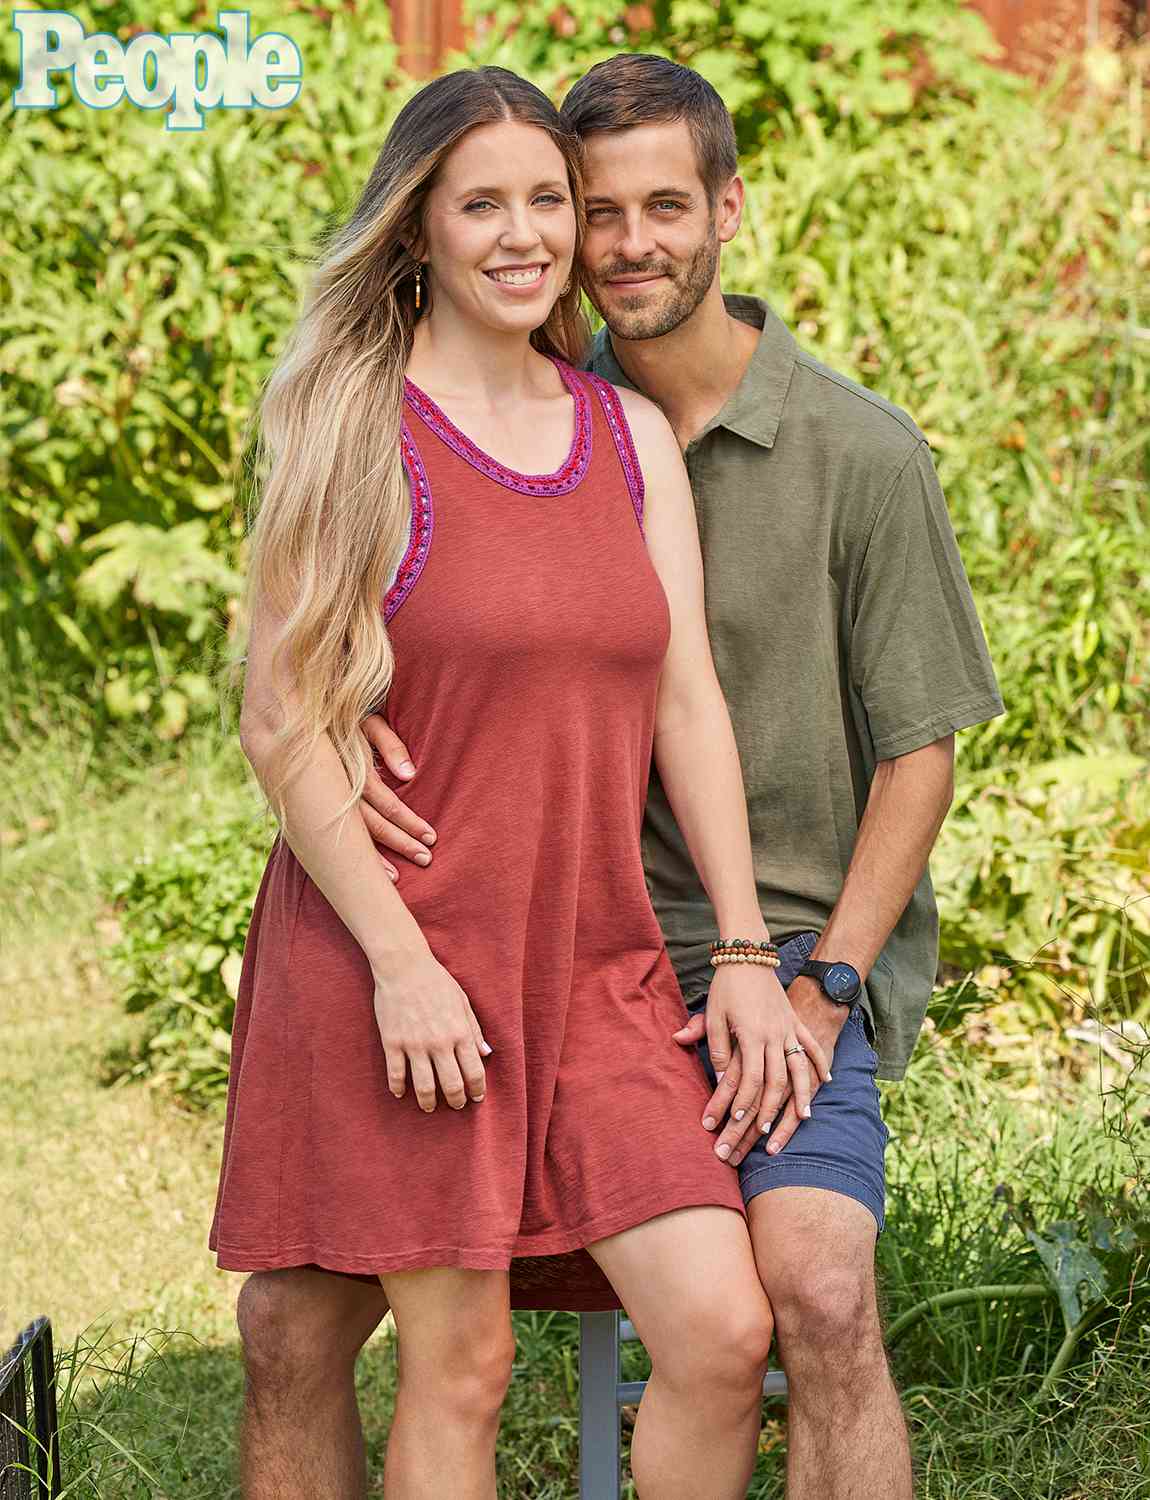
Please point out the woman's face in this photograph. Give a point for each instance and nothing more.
(500, 230)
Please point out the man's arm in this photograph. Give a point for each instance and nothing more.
(907, 806)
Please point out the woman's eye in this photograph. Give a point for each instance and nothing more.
(550, 198)
(480, 203)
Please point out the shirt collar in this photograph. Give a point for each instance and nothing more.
(754, 408)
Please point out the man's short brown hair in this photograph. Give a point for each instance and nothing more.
(638, 88)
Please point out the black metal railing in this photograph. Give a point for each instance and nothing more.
(29, 1430)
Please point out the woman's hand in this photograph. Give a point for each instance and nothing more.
(426, 1023)
(748, 1010)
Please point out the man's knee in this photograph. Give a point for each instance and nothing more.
(294, 1324)
(828, 1310)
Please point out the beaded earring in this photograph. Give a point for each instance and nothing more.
(418, 286)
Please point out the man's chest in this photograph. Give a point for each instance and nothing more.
(772, 589)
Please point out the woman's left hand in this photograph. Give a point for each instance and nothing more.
(752, 1034)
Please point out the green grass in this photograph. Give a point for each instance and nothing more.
(112, 1190)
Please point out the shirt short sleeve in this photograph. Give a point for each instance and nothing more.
(917, 654)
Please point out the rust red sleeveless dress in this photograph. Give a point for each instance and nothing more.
(529, 628)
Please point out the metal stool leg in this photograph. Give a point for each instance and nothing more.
(599, 1406)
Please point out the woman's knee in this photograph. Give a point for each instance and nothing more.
(469, 1380)
(723, 1347)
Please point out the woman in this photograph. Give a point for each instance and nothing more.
(545, 627)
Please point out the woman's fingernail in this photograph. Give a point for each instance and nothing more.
(828, 1078)
(406, 768)
(719, 1076)
(736, 1158)
(723, 1151)
(485, 1049)
(708, 1122)
(393, 873)
(739, 1113)
(766, 1129)
(806, 1111)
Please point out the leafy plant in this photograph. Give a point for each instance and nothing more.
(184, 918)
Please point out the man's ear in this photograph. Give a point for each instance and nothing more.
(729, 209)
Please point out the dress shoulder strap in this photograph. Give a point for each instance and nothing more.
(624, 442)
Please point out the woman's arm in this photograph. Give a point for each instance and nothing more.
(698, 763)
(425, 1019)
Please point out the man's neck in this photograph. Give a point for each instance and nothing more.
(692, 371)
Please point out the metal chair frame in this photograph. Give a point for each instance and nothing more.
(602, 1393)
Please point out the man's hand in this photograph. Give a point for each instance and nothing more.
(821, 1020)
(389, 820)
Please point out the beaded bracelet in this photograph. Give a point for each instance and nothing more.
(743, 951)
(725, 945)
(772, 960)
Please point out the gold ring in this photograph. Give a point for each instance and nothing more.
(788, 1051)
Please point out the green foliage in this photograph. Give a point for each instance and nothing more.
(146, 282)
(185, 916)
(775, 62)
(1043, 877)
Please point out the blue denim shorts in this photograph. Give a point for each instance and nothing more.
(841, 1147)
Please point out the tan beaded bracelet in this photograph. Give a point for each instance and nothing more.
(772, 960)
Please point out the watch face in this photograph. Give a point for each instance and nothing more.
(841, 982)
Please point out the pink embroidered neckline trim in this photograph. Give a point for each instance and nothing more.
(565, 478)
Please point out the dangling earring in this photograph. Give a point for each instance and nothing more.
(418, 286)
(565, 289)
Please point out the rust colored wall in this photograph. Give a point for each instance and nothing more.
(1036, 32)
(426, 30)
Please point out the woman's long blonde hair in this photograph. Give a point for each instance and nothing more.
(330, 522)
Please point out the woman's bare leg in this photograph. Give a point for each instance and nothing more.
(456, 1349)
(689, 1284)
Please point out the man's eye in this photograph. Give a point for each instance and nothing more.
(667, 203)
(593, 213)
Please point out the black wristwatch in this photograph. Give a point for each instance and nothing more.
(838, 982)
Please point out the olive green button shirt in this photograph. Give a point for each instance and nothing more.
(844, 633)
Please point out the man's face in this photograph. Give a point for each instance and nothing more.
(651, 251)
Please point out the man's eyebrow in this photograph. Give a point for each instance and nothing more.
(553, 184)
(665, 192)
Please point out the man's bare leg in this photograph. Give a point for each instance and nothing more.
(847, 1438)
(300, 1432)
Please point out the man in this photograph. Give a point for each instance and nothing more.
(850, 653)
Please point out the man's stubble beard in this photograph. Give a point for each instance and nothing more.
(689, 285)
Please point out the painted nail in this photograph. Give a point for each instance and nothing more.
(739, 1113)
(485, 1049)
(723, 1151)
(829, 1077)
(719, 1076)
(708, 1122)
(766, 1129)
(806, 1112)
